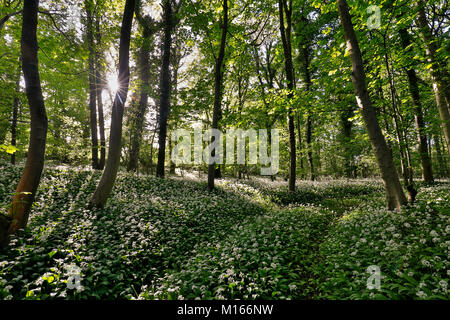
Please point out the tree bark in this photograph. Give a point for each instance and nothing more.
(285, 9)
(218, 78)
(109, 175)
(165, 87)
(346, 114)
(425, 162)
(92, 83)
(15, 115)
(442, 164)
(395, 196)
(401, 137)
(149, 28)
(440, 85)
(29, 182)
(100, 84)
(139, 116)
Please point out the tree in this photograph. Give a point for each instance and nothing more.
(99, 82)
(218, 78)
(440, 86)
(165, 86)
(108, 178)
(425, 161)
(394, 193)
(89, 6)
(285, 10)
(149, 28)
(29, 182)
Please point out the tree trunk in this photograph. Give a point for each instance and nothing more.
(312, 175)
(401, 138)
(285, 9)
(299, 134)
(218, 77)
(139, 117)
(99, 86)
(29, 182)
(427, 173)
(92, 83)
(165, 87)
(443, 169)
(307, 79)
(347, 137)
(14, 120)
(440, 86)
(108, 178)
(175, 62)
(394, 193)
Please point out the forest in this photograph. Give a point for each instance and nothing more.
(224, 150)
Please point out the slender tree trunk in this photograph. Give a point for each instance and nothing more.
(394, 193)
(442, 164)
(401, 138)
(100, 84)
(425, 162)
(165, 87)
(347, 134)
(109, 175)
(285, 9)
(312, 175)
(14, 120)
(300, 142)
(269, 123)
(218, 78)
(307, 79)
(176, 58)
(29, 182)
(92, 84)
(172, 164)
(440, 85)
(139, 116)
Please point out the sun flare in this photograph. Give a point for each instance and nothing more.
(113, 83)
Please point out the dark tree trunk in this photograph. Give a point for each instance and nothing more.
(305, 50)
(269, 79)
(401, 137)
(139, 116)
(109, 175)
(149, 28)
(312, 175)
(100, 84)
(29, 182)
(176, 58)
(92, 85)
(286, 10)
(300, 142)
(440, 86)
(165, 87)
(425, 162)
(394, 193)
(218, 78)
(15, 115)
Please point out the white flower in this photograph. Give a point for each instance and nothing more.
(421, 294)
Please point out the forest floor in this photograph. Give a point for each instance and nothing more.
(249, 239)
